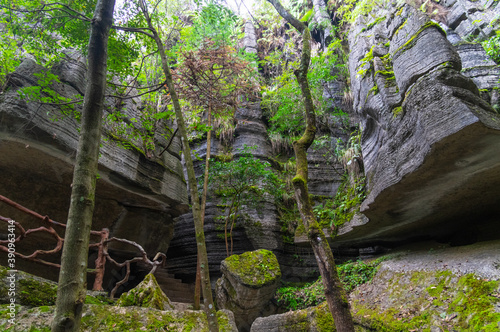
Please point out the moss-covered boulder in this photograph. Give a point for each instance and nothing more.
(33, 291)
(314, 319)
(247, 285)
(147, 294)
(30, 290)
(108, 318)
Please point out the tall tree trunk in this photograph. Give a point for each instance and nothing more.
(203, 206)
(198, 225)
(334, 291)
(72, 288)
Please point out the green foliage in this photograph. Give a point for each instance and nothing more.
(295, 298)
(352, 274)
(9, 59)
(44, 93)
(282, 98)
(492, 47)
(351, 192)
(244, 178)
(211, 21)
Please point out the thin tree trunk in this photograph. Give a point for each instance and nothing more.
(72, 288)
(198, 225)
(203, 206)
(334, 291)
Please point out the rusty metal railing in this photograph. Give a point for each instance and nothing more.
(102, 247)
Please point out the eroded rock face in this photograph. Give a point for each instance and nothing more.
(247, 285)
(137, 194)
(428, 141)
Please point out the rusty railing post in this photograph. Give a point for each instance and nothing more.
(100, 262)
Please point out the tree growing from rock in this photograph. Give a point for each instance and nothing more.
(334, 292)
(214, 77)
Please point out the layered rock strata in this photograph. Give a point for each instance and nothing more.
(428, 140)
(137, 194)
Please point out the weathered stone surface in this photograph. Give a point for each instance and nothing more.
(247, 285)
(147, 294)
(137, 197)
(473, 19)
(316, 319)
(250, 40)
(430, 163)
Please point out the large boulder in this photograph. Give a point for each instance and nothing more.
(247, 285)
(429, 140)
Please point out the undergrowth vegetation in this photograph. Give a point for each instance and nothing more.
(352, 274)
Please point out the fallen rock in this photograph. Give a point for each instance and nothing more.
(247, 285)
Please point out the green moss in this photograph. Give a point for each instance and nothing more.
(372, 24)
(412, 41)
(367, 60)
(324, 320)
(401, 26)
(475, 305)
(388, 73)
(99, 300)
(463, 303)
(147, 294)
(35, 293)
(374, 90)
(397, 110)
(255, 268)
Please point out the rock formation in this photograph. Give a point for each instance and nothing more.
(248, 283)
(428, 138)
(137, 195)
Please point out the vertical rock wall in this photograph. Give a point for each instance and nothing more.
(428, 138)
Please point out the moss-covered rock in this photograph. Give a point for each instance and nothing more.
(422, 300)
(106, 318)
(255, 268)
(32, 291)
(147, 294)
(247, 285)
(315, 319)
